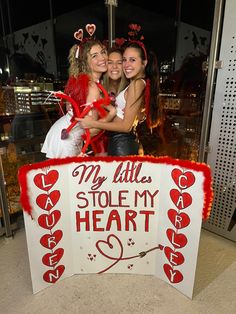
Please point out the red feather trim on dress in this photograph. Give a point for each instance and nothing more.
(77, 88)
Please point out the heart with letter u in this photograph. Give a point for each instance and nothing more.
(183, 179)
(49, 221)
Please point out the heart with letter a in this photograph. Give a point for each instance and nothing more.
(181, 200)
(48, 201)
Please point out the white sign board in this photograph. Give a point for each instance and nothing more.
(135, 215)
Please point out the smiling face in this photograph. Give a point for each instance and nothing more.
(133, 65)
(114, 65)
(97, 59)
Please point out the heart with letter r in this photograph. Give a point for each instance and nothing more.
(180, 220)
(49, 241)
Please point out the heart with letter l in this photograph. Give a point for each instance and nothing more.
(46, 181)
(174, 276)
(181, 200)
(175, 258)
(48, 201)
(180, 221)
(49, 241)
(52, 276)
(183, 179)
(178, 240)
(51, 259)
(49, 221)
(90, 28)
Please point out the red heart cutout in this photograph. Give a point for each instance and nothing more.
(181, 200)
(183, 179)
(178, 240)
(175, 258)
(90, 28)
(51, 259)
(46, 181)
(109, 247)
(174, 276)
(180, 221)
(49, 241)
(48, 201)
(79, 34)
(52, 276)
(49, 221)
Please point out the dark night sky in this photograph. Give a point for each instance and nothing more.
(29, 12)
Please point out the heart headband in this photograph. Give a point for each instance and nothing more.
(79, 35)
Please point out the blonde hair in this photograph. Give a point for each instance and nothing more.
(79, 65)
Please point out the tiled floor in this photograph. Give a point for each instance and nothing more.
(214, 293)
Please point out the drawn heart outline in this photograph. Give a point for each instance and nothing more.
(52, 259)
(179, 220)
(183, 179)
(174, 257)
(52, 276)
(178, 240)
(48, 201)
(46, 181)
(181, 200)
(49, 241)
(174, 276)
(108, 246)
(50, 220)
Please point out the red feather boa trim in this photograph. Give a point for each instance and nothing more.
(77, 88)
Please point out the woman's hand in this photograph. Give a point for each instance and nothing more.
(86, 122)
